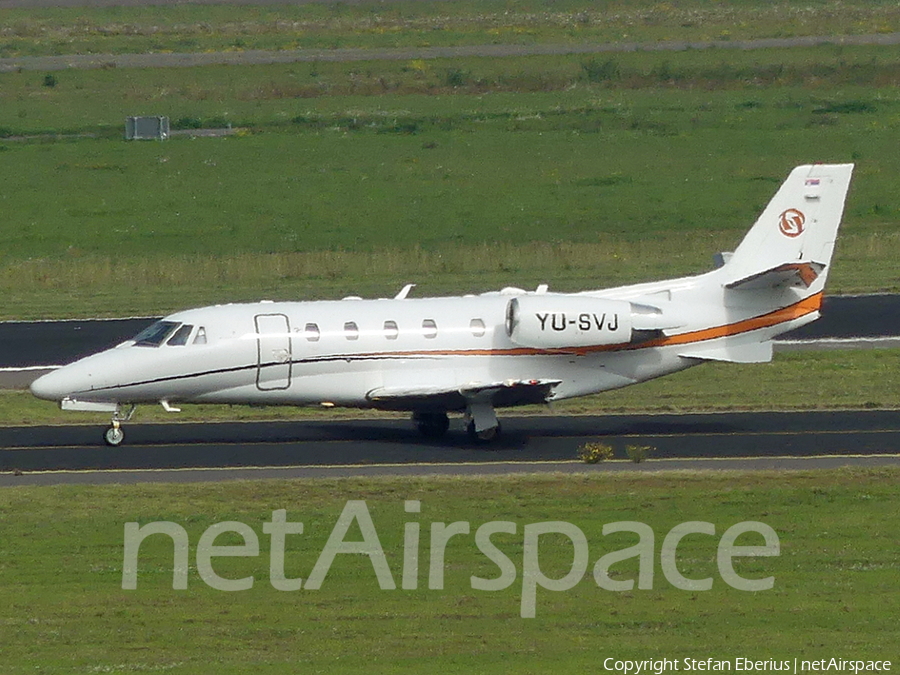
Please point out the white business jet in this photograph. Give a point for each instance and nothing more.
(473, 354)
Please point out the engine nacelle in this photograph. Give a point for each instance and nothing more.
(560, 321)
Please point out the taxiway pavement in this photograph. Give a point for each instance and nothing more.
(226, 451)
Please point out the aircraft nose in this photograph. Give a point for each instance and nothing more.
(54, 386)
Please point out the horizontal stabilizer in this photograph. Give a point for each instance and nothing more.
(789, 274)
(730, 351)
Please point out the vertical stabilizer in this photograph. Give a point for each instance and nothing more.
(793, 240)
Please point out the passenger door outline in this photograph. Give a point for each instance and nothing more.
(273, 352)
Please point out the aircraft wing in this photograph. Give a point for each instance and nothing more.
(506, 393)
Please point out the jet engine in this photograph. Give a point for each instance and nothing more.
(560, 321)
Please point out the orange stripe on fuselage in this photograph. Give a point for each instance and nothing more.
(806, 306)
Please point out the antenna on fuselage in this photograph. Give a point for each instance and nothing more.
(404, 292)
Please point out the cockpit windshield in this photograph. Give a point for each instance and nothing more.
(155, 335)
(180, 337)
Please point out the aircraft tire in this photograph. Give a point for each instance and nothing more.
(431, 424)
(484, 436)
(114, 436)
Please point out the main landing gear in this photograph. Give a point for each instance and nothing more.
(483, 436)
(480, 421)
(115, 435)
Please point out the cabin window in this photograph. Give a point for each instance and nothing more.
(351, 330)
(477, 327)
(312, 332)
(391, 331)
(155, 335)
(180, 337)
(429, 328)
(200, 338)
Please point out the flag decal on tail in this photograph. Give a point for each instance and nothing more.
(791, 223)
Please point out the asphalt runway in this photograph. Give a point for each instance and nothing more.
(222, 451)
(56, 343)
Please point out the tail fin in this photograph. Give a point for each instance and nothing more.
(792, 241)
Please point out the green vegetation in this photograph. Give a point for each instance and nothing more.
(842, 380)
(411, 23)
(638, 453)
(589, 93)
(580, 188)
(463, 175)
(594, 452)
(63, 609)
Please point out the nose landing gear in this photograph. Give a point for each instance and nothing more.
(115, 435)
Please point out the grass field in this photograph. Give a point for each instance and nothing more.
(63, 608)
(578, 189)
(463, 175)
(820, 85)
(187, 28)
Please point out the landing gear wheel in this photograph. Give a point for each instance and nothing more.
(483, 436)
(114, 436)
(431, 424)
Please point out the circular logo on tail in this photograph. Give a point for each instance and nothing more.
(791, 223)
